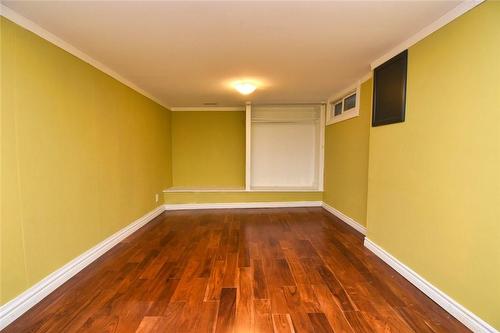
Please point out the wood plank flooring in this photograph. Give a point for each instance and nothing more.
(249, 270)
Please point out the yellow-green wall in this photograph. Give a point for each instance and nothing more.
(218, 197)
(208, 149)
(82, 156)
(346, 160)
(434, 180)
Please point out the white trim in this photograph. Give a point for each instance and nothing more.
(284, 189)
(50, 37)
(239, 189)
(463, 315)
(459, 10)
(269, 119)
(321, 166)
(203, 189)
(346, 219)
(11, 310)
(207, 108)
(248, 146)
(351, 113)
(343, 92)
(344, 116)
(22, 303)
(341, 95)
(229, 205)
(366, 77)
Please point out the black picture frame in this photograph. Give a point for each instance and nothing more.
(389, 91)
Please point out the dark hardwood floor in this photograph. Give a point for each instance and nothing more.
(251, 270)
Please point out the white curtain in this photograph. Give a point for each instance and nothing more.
(285, 146)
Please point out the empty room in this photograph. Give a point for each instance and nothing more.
(250, 166)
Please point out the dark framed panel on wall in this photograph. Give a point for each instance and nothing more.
(389, 91)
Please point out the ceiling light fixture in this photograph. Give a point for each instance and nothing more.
(245, 88)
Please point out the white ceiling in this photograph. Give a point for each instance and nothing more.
(186, 53)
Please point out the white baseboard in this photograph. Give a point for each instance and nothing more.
(243, 205)
(16, 307)
(465, 316)
(13, 309)
(353, 223)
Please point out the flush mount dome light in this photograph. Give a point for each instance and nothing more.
(245, 88)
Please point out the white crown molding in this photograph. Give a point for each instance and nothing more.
(207, 108)
(50, 37)
(344, 218)
(366, 77)
(350, 88)
(243, 205)
(465, 316)
(459, 10)
(13, 309)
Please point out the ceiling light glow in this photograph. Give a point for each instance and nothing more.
(245, 88)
